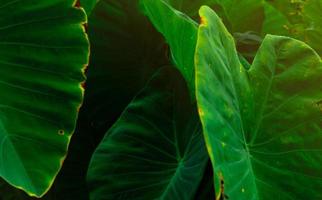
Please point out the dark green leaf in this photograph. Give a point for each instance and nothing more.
(155, 150)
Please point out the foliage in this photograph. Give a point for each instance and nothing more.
(183, 99)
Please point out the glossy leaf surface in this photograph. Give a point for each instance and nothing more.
(180, 33)
(263, 133)
(43, 52)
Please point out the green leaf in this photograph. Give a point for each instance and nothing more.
(189, 7)
(125, 51)
(70, 183)
(180, 33)
(243, 15)
(275, 21)
(244, 19)
(7, 192)
(155, 150)
(313, 18)
(264, 133)
(300, 19)
(43, 52)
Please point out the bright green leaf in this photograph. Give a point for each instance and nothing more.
(180, 33)
(43, 52)
(264, 133)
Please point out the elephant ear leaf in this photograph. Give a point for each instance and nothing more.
(180, 33)
(262, 127)
(286, 135)
(43, 52)
(155, 150)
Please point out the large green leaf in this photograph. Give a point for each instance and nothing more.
(43, 52)
(239, 15)
(125, 52)
(275, 22)
(244, 19)
(251, 20)
(313, 19)
(263, 134)
(299, 19)
(180, 33)
(122, 60)
(155, 150)
(243, 15)
(70, 182)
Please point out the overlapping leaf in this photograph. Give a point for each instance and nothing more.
(180, 33)
(121, 63)
(155, 150)
(264, 133)
(299, 19)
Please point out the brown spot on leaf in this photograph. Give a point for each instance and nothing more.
(222, 195)
(83, 85)
(86, 27)
(203, 21)
(77, 4)
(61, 132)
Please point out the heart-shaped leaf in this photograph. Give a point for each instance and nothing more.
(155, 150)
(264, 133)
